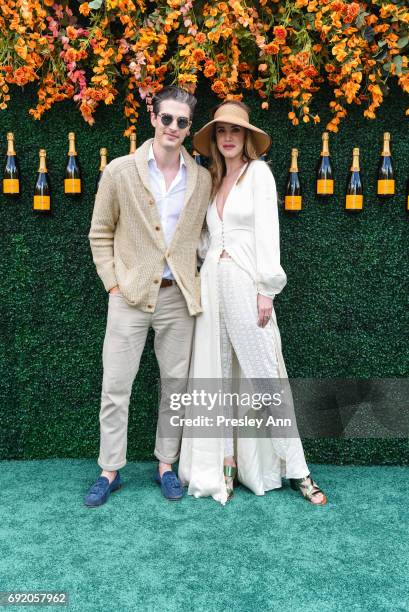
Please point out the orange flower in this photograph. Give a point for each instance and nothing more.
(271, 49)
(84, 8)
(72, 33)
(210, 69)
(339, 51)
(198, 55)
(21, 48)
(233, 31)
(246, 79)
(218, 87)
(231, 96)
(200, 38)
(312, 6)
(280, 32)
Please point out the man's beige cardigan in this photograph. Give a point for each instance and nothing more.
(126, 237)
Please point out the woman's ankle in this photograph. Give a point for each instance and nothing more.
(230, 461)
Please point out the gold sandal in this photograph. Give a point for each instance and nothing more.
(229, 472)
(308, 488)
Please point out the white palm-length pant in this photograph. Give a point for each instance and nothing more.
(255, 350)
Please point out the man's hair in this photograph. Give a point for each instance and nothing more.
(172, 92)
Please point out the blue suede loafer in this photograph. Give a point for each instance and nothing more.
(170, 485)
(101, 489)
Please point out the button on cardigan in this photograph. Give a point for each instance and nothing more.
(168, 201)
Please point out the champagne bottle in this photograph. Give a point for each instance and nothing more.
(132, 143)
(197, 157)
(293, 194)
(42, 189)
(325, 179)
(386, 181)
(72, 182)
(11, 175)
(104, 160)
(354, 193)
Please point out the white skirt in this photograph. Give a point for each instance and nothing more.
(229, 344)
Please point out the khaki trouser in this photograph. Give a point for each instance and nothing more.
(125, 337)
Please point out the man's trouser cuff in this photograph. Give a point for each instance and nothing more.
(166, 459)
(111, 467)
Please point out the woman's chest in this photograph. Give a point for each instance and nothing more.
(237, 209)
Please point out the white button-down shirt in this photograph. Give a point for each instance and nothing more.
(169, 203)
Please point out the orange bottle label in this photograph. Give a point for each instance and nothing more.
(325, 186)
(42, 202)
(292, 202)
(386, 186)
(354, 202)
(72, 185)
(11, 186)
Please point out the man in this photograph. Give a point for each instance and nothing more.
(146, 224)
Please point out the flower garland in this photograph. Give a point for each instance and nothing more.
(92, 52)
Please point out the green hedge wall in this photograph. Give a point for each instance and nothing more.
(344, 312)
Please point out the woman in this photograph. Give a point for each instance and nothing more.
(237, 331)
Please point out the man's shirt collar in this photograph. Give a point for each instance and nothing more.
(151, 157)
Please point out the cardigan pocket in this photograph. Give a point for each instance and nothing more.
(124, 274)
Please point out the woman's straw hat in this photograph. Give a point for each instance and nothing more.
(235, 114)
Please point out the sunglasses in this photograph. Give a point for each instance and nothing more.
(182, 122)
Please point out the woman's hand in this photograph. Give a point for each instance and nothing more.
(264, 308)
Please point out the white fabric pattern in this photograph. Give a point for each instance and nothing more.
(254, 347)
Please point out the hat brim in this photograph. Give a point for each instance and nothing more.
(201, 140)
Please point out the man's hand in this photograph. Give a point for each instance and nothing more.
(264, 308)
(115, 289)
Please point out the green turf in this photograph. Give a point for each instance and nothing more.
(141, 552)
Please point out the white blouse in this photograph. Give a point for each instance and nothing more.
(249, 231)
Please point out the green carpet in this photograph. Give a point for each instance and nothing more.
(141, 552)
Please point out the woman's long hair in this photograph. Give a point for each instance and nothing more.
(217, 165)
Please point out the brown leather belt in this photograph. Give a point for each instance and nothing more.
(167, 282)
